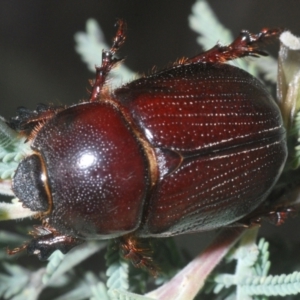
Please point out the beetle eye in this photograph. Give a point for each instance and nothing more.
(30, 182)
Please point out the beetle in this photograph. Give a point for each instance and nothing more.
(194, 147)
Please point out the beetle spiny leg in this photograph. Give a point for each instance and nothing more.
(29, 122)
(17, 249)
(108, 61)
(139, 252)
(273, 215)
(36, 232)
(246, 44)
(280, 215)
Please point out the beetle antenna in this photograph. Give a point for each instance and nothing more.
(108, 61)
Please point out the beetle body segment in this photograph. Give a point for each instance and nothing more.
(227, 134)
(97, 190)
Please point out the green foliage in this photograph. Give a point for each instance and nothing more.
(117, 268)
(204, 21)
(12, 149)
(21, 283)
(251, 279)
(14, 282)
(90, 43)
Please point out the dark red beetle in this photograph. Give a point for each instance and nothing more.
(194, 147)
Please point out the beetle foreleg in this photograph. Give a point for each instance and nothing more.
(29, 122)
(246, 44)
(44, 246)
(45, 242)
(17, 249)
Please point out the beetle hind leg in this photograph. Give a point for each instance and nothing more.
(108, 62)
(246, 44)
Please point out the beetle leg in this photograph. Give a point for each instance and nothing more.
(108, 62)
(45, 242)
(139, 252)
(44, 246)
(29, 122)
(246, 44)
(16, 250)
(276, 216)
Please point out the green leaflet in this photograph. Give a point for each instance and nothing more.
(12, 149)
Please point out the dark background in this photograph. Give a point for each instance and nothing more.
(38, 63)
(37, 58)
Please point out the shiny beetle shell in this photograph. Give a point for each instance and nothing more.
(226, 133)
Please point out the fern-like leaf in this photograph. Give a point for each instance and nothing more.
(89, 46)
(13, 282)
(14, 210)
(59, 264)
(12, 149)
(279, 285)
(118, 269)
(204, 21)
